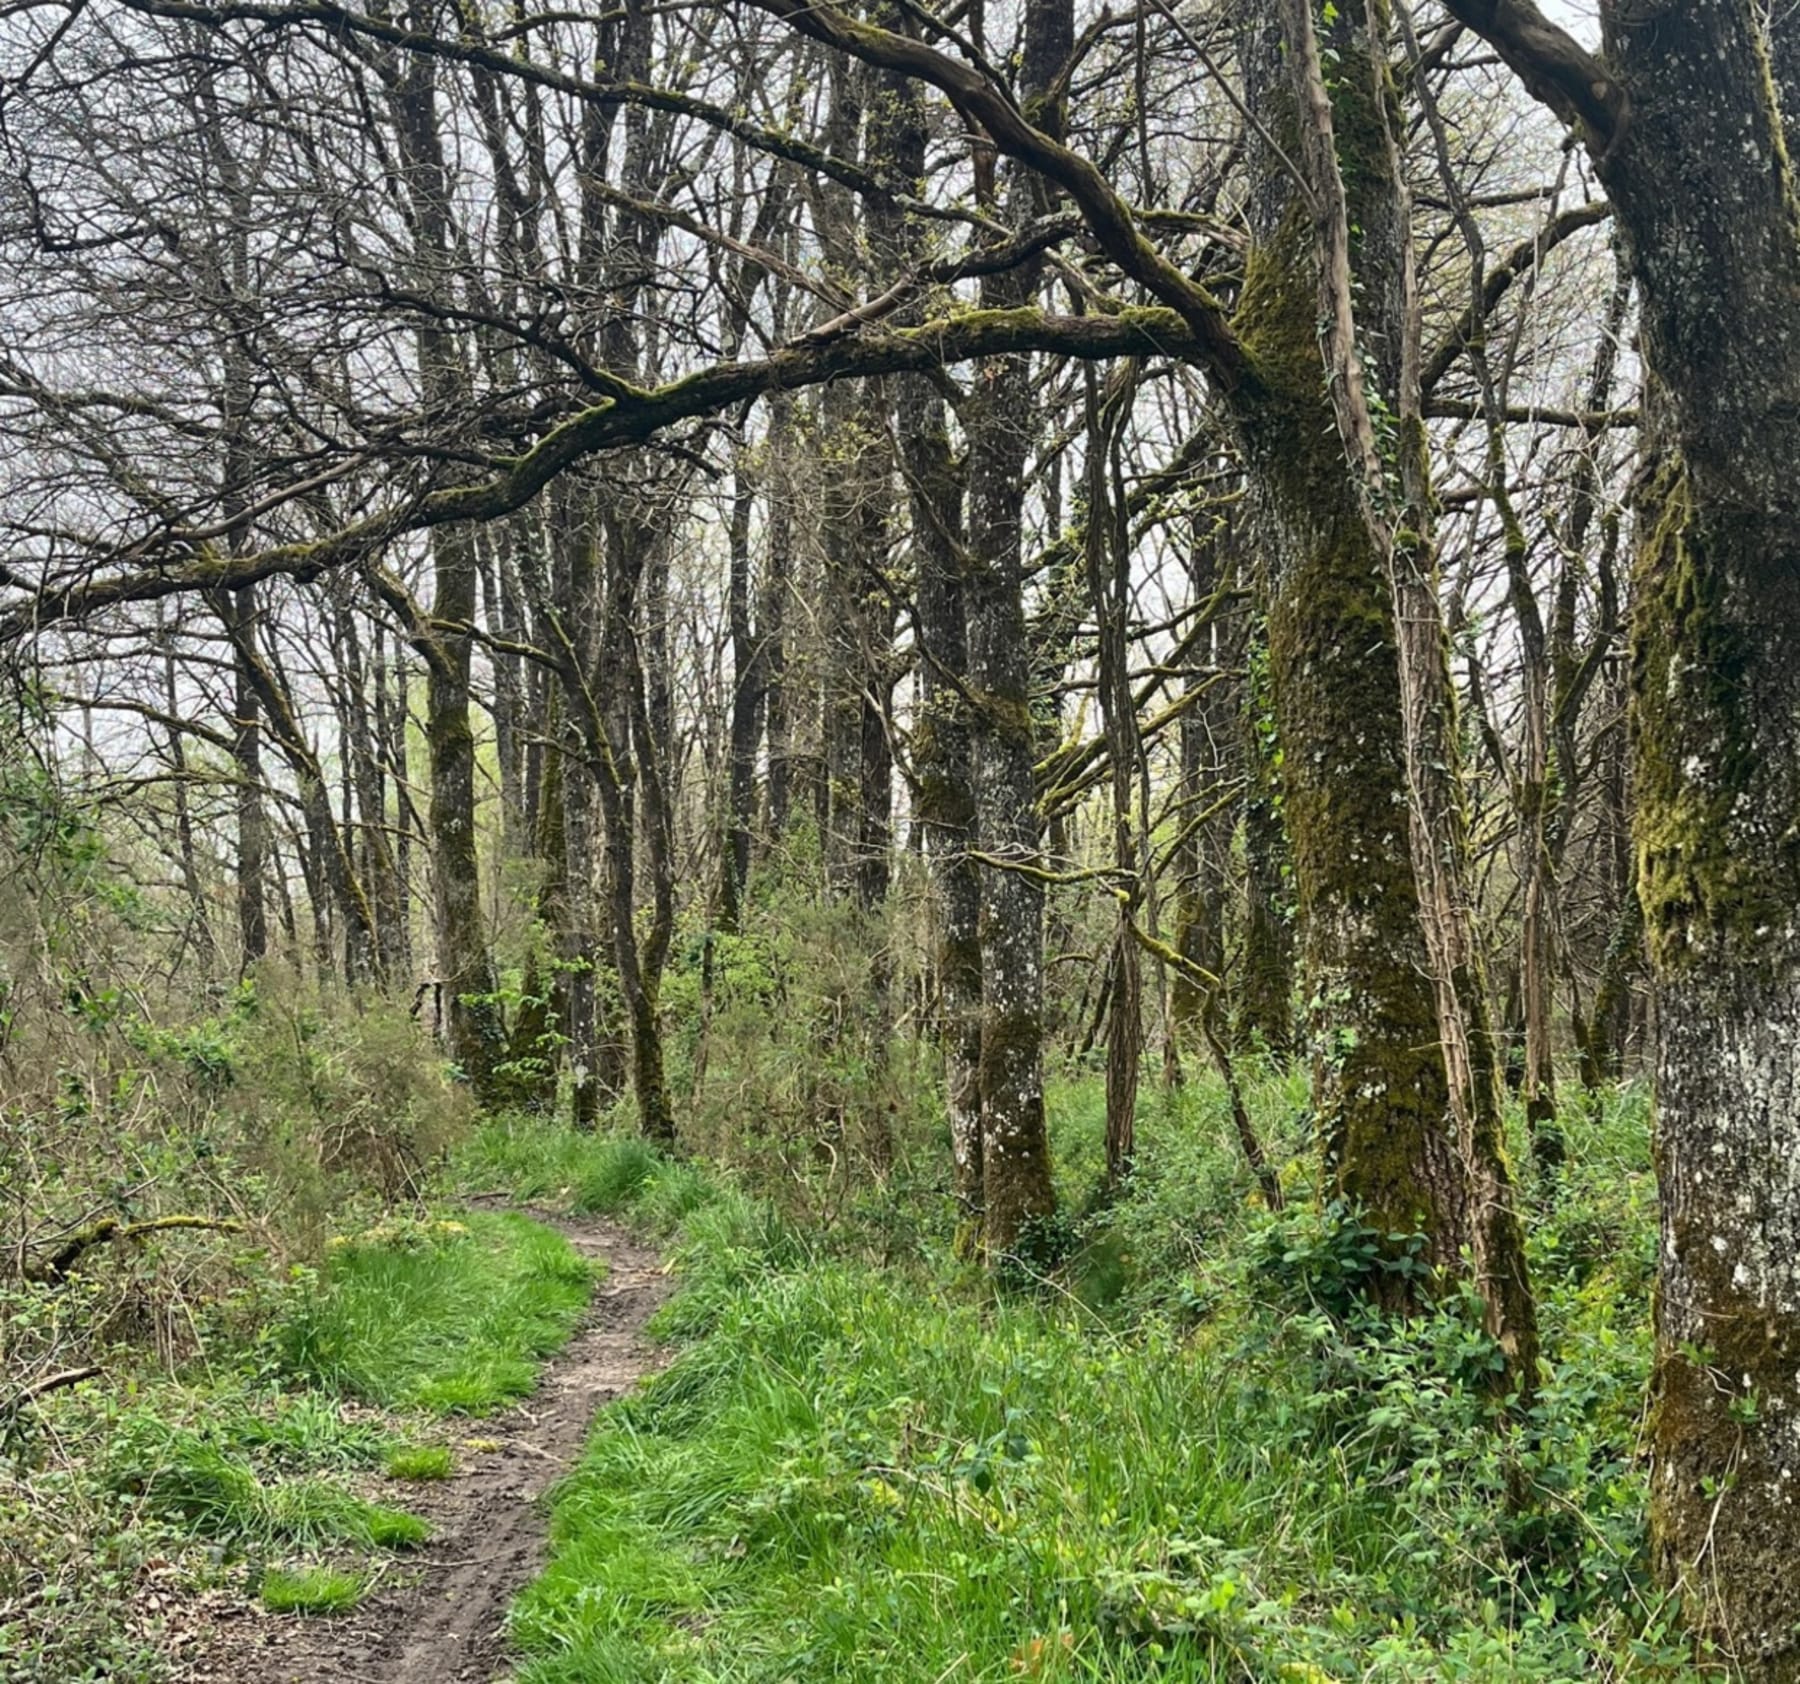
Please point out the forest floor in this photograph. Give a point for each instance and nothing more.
(1190, 1454)
(439, 1616)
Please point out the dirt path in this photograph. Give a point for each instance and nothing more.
(436, 1618)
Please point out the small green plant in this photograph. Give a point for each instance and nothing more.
(420, 1462)
(1333, 1259)
(395, 1529)
(310, 1590)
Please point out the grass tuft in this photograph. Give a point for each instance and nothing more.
(420, 1462)
(613, 1175)
(193, 1477)
(310, 1590)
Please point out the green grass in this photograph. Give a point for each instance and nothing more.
(447, 1317)
(893, 1476)
(536, 1160)
(310, 1590)
(209, 1482)
(419, 1462)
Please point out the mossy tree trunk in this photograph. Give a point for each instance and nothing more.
(475, 1032)
(749, 662)
(1717, 690)
(568, 827)
(944, 794)
(943, 786)
(1703, 186)
(773, 641)
(476, 1037)
(628, 771)
(1680, 113)
(1107, 554)
(619, 695)
(1380, 1088)
(998, 417)
(746, 700)
(1265, 990)
(375, 855)
(238, 611)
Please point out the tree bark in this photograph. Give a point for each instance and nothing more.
(475, 1033)
(1681, 117)
(999, 419)
(1107, 552)
(1380, 1088)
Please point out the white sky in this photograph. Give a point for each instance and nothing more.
(1579, 17)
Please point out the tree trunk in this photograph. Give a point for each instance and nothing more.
(943, 789)
(238, 611)
(999, 419)
(364, 774)
(1682, 121)
(187, 858)
(1380, 1089)
(475, 1033)
(771, 622)
(747, 668)
(1108, 556)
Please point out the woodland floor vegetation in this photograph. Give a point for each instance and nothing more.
(267, 1455)
(1177, 1438)
(1181, 1446)
(1187, 1452)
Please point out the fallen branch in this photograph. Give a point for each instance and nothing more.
(42, 1388)
(54, 1270)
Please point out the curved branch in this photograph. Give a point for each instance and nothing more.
(1499, 282)
(1555, 68)
(983, 104)
(633, 416)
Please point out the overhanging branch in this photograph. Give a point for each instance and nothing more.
(632, 416)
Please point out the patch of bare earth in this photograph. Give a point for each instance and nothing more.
(437, 1616)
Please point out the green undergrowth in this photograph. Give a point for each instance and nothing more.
(598, 1174)
(446, 1316)
(1185, 1457)
(240, 1475)
(274, 1464)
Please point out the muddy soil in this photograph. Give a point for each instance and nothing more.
(437, 1616)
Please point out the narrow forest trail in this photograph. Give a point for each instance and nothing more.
(438, 1616)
